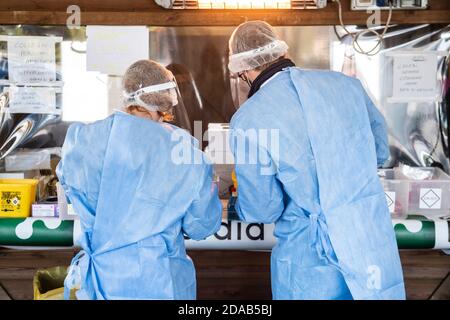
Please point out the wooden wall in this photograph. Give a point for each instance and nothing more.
(146, 12)
(223, 274)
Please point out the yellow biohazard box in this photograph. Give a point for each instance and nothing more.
(16, 197)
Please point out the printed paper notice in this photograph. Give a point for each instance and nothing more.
(112, 49)
(32, 100)
(31, 59)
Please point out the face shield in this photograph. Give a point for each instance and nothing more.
(164, 98)
(159, 97)
(239, 90)
(240, 63)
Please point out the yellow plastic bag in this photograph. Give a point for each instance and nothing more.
(48, 284)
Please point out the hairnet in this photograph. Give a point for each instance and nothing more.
(148, 84)
(254, 44)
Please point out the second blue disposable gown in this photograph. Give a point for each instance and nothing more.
(135, 200)
(319, 186)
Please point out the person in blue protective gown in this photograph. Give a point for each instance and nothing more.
(137, 197)
(317, 139)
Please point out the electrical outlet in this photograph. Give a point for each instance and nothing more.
(384, 4)
(320, 3)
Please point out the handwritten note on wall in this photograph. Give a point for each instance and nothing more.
(32, 99)
(31, 59)
(415, 76)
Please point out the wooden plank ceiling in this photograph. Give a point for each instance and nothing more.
(146, 12)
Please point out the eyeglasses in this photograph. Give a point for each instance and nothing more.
(243, 76)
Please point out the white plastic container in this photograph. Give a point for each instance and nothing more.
(396, 192)
(219, 152)
(416, 191)
(218, 138)
(219, 157)
(65, 209)
(431, 196)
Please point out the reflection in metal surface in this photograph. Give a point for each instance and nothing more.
(200, 54)
(198, 57)
(18, 129)
(418, 130)
(189, 91)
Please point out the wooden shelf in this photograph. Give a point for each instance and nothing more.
(221, 274)
(146, 12)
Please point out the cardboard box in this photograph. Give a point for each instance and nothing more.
(45, 210)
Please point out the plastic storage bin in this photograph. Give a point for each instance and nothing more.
(430, 196)
(396, 192)
(16, 197)
(416, 191)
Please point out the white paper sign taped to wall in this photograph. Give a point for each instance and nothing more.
(31, 59)
(415, 77)
(112, 49)
(33, 100)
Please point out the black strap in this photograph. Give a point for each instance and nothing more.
(269, 73)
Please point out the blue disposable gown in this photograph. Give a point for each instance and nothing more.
(334, 232)
(134, 204)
